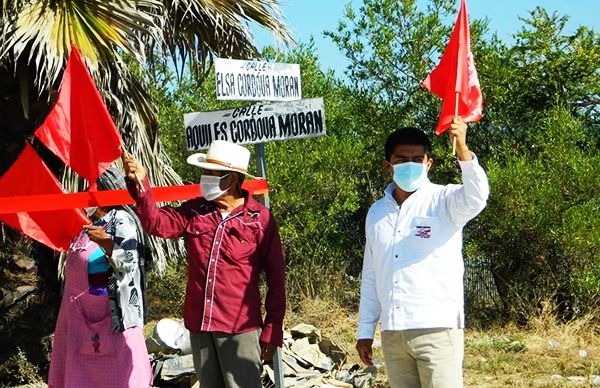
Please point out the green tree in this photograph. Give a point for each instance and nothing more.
(541, 231)
(391, 47)
(542, 105)
(539, 136)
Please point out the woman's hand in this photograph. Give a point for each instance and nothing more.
(100, 237)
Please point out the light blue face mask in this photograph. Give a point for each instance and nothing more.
(409, 176)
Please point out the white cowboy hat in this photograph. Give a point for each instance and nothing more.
(223, 156)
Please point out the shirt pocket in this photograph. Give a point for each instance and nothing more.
(243, 242)
(199, 235)
(424, 236)
(92, 326)
(196, 229)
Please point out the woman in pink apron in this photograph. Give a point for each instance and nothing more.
(99, 339)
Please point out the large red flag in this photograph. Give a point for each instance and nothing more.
(454, 74)
(29, 176)
(79, 129)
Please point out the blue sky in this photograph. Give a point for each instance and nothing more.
(308, 18)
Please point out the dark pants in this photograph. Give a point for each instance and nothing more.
(227, 360)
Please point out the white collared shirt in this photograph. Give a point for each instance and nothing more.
(413, 268)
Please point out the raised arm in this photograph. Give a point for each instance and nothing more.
(167, 222)
(469, 199)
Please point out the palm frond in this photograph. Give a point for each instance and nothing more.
(193, 29)
(103, 30)
(118, 39)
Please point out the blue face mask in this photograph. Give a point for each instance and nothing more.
(409, 176)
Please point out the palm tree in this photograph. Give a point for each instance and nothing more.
(115, 37)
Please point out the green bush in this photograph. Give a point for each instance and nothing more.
(166, 291)
(542, 225)
(19, 370)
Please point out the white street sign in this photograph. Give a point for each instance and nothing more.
(256, 124)
(257, 80)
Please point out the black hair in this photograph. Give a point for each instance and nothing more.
(408, 136)
(241, 177)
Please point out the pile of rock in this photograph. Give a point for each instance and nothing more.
(308, 360)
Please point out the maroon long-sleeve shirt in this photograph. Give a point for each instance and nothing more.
(225, 258)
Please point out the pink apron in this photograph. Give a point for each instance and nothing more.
(85, 350)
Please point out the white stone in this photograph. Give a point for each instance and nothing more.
(311, 354)
(552, 344)
(304, 330)
(577, 379)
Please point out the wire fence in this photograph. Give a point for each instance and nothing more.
(480, 287)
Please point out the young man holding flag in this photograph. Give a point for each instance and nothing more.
(413, 268)
(412, 279)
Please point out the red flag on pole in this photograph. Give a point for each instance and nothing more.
(29, 176)
(455, 78)
(79, 129)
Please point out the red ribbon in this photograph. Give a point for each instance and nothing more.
(46, 202)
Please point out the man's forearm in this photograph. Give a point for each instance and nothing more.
(463, 153)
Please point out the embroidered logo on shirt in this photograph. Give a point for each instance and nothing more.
(423, 231)
(252, 214)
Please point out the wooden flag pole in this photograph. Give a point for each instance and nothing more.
(137, 178)
(455, 115)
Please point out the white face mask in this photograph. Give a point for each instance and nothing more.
(211, 186)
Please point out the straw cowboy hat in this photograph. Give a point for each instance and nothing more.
(223, 156)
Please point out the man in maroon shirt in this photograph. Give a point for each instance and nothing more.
(230, 239)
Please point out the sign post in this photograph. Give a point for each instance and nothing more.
(257, 81)
(261, 168)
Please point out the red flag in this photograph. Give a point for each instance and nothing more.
(29, 176)
(79, 129)
(454, 74)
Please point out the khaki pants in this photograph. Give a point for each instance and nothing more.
(424, 358)
(227, 360)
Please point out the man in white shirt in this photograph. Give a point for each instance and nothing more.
(412, 279)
